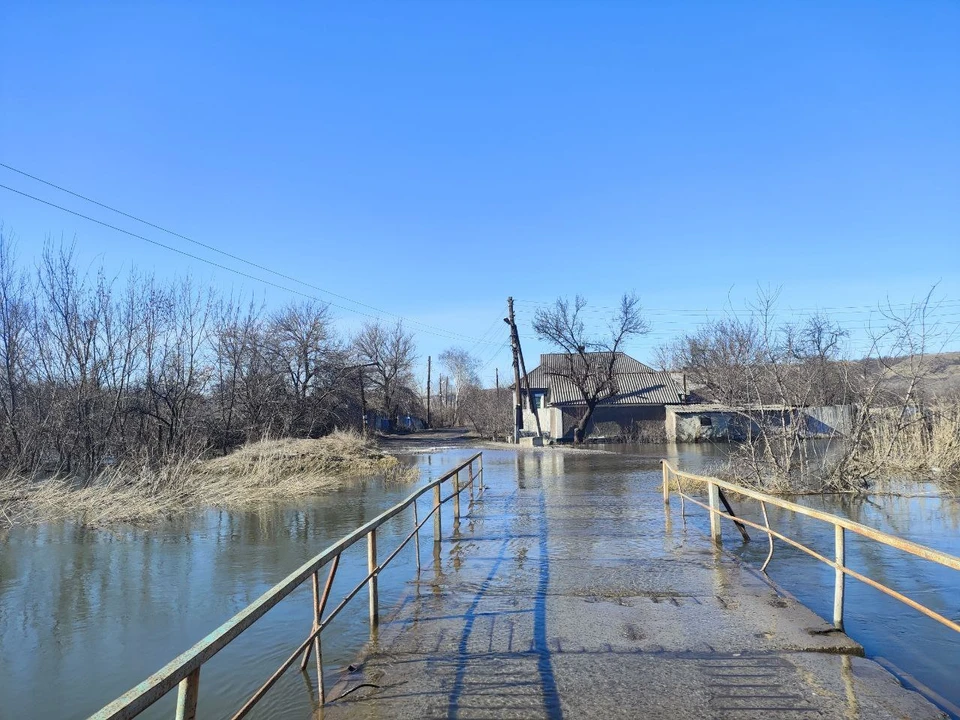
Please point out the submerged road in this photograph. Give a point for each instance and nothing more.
(567, 593)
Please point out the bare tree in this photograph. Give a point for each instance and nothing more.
(15, 352)
(462, 367)
(96, 370)
(589, 361)
(307, 354)
(391, 352)
(238, 334)
(765, 372)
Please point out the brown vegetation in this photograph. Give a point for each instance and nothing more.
(769, 372)
(97, 372)
(261, 472)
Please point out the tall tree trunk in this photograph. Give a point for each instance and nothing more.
(580, 431)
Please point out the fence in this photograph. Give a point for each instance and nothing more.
(184, 671)
(715, 486)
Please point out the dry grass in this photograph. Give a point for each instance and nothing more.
(928, 444)
(892, 448)
(262, 472)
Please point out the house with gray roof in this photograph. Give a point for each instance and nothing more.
(637, 396)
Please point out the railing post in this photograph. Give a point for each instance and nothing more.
(187, 695)
(416, 533)
(319, 603)
(436, 514)
(666, 483)
(481, 472)
(456, 498)
(713, 491)
(473, 481)
(372, 586)
(839, 579)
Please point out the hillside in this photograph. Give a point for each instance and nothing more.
(941, 374)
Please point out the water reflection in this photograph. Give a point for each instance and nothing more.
(883, 625)
(132, 599)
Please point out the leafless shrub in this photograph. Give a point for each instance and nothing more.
(99, 373)
(770, 372)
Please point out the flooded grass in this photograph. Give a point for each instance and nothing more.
(258, 473)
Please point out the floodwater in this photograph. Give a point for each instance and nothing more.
(85, 614)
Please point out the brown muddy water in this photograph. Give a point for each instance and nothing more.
(85, 614)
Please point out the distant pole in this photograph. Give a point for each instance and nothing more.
(496, 412)
(363, 403)
(517, 407)
(428, 391)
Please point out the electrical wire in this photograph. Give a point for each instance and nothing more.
(429, 329)
(447, 335)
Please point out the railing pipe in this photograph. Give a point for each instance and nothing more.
(841, 525)
(839, 578)
(372, 583)
(714, 494)
(436, 514)
(184, 670)
(416, 535)
(456, 498)
(766, 523)
(187, 696)
(666, 482)
(950, 561)
(315, 583)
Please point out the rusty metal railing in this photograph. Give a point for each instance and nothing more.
(840, 525)
(183, 671)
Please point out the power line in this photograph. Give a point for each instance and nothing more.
(483, 337)
(431, 331)
(209, 247)
(495, 355)
(849, 309)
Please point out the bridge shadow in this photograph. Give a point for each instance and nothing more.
(539, 650)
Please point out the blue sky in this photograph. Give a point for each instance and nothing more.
(429, 159)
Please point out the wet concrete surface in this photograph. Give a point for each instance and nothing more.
(566, 594)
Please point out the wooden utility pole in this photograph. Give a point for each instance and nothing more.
(363, 402)
(517, 407)
(440, 397)
(517, 364)
(526, 380)
(428, 391)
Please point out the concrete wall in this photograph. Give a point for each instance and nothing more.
(610, 421)
(710, 423)
(829, 420)
(707, 425)
(550, 422)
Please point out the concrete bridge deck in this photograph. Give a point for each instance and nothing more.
(566, 594)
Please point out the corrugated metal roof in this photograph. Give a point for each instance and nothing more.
(638, 384)
(622, 362)
(540, 376)
(648, 388)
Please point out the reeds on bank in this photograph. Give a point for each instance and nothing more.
(255, 474)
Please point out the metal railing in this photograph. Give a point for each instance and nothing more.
(184, 670)
(840, 525)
